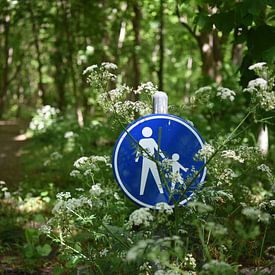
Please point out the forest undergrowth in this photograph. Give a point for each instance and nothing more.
(69, 215)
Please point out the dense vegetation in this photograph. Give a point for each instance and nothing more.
(79, 72)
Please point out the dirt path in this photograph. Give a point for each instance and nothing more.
(12, 139)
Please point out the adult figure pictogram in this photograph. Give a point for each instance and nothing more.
(149, 146)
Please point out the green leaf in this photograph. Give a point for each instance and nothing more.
(43, 250)
(203, 21)
(224, 21)
(269, 54)
(256, 7)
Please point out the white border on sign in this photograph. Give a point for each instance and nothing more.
(123, 137)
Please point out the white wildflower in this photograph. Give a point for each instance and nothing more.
(119, 92)
(141, 216)
(256, 214)
(227, 176)
(90, 69)
(80, 162)
(46, 229)
(56, 156)
(75, 173)
(257, 66)
(203, 90)
(164, 208)
(96, 190)
(63, 195)
(166, 272)
(90, 50)
(69, 134)
(89, 172)
(206, 151)
(74, 203)
(230, 154)
(226, 93)
(116, 196)
(147, 87)
(264, 168)
(267, 100)
(109, 66)
(189, 262)
(103, 252)
(258, 83)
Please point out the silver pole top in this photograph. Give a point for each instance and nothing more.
(160, 103)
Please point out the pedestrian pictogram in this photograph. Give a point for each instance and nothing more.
(154, 160)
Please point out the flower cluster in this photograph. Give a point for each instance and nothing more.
(226, 177)
(117, 101)
(66, 204)
(164, 208)
(43, 119)
(261, 88)
(256, 214)
(189, 262)
(225, 93)
(205, 152)
(140, 217)
(230, 154)
(87, 166)
(146, 88)
(203, 96)
(96, 190)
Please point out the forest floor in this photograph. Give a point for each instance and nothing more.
(12, 139)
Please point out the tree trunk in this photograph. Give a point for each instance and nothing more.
(211, 56)
(5, 71)
(60, 68)
(210, 48)
(161, 45)
(70, 43)
(136, 29)
(35, 32)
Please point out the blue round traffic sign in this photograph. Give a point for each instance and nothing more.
(154, 160)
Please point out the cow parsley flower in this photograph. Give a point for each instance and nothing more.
(63, 195)
(46, 229)
(226, 177)
(109, 66)
(166, 272)
(146, 88)
(189, 262)
(80, 162)
(230, 154)
(206, 151)
(256, 214)
(257, 84)
(69, 134)
(226, 93)
(90, 69)
(257, 66)
(75, 173)
(96, 190)
(264, 168)
(141, 216)
(164, 208)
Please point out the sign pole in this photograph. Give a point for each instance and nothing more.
(160, 103)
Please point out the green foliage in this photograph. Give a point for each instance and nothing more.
(68, 213)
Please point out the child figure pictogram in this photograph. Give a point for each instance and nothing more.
(176, 175)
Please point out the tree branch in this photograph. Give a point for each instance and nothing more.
(184, 24)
